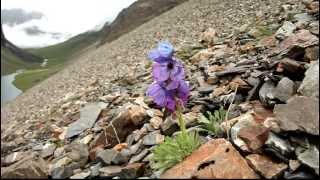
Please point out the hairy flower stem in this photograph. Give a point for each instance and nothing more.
(181, 120)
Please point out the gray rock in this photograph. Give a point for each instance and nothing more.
(153, 138)
(132, 171)
(169, 126)
(88, 116)
(302, 19)
(206, 89)
(110, 156)
(110, 171)
(148, 127)
(48, 150)
(12, 158)
(310, 157)
(130, 139)
(61, 172)
(279, 145)
(298, 175)
(81, 175)
(266, 94)
(135, 148)
(76, 157)
(30, 167)
(285, 30)
(78, 153)
(285, 89)
(95, 170)
(310, 84)
(58, 152)
(139, 156)
(299, 114)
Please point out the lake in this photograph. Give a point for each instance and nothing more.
(8, 90)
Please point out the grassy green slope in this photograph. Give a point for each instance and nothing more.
(11, 63)
(58, 55)
(62, 52)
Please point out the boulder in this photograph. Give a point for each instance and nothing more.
(284, 89)
(215, 159)
(299, 114)
(129, 119)
(294, 45)
(310, 84)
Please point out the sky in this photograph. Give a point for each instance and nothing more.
(69, 17)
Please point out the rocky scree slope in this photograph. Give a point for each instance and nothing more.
(259, 59)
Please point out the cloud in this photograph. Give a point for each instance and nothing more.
(69, 17)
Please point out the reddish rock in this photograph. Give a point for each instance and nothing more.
(311, 54)
(260, 113)
(265, 166)
(120, 146)
(289, 65)
(99, 141)
(126, 122)
(294, 45)
(136, 114)
(254, 136)
(215, 159)
(93, 152)
(313, 7)
(209, 36)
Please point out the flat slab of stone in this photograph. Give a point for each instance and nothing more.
(215, 159)
(88, 116)
(265, 166)
(299, 114)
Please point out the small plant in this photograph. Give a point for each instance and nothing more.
(211, 125)
(170, 91)
(173, 151)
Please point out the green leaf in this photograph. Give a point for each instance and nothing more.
(174, 150)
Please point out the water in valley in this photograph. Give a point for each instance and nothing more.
(8, 90)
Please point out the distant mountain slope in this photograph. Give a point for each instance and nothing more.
(60, 54)
(14, 58)
(136, 14)
(63, 51)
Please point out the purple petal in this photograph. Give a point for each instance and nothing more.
(171, 104)
(165, 49)
(157, 93)
(177, 73)
(172, 85)
(157, 57)
(160, 72)
(153, 54)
